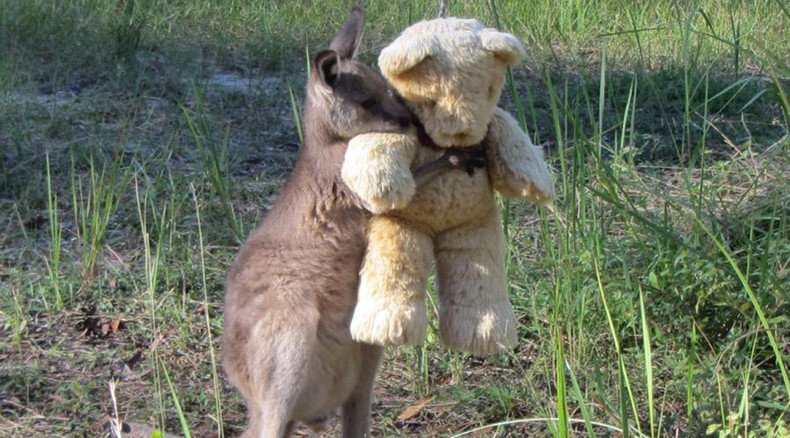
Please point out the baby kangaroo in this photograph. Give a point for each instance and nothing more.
(293, 286)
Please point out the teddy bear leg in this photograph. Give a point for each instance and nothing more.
(475, 314)
(391, 306)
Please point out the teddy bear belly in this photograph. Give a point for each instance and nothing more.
(450, 200)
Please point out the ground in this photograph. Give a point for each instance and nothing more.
(652, 295)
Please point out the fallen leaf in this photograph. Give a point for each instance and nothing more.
(414, 409)
(115, 325)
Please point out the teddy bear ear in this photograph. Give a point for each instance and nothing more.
(503, 45)
(403, 55)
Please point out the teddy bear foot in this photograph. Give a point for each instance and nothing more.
(480, 330)
(385, 324)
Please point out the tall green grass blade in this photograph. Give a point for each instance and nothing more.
(735, 26)
(690, 371)
(559, 373)
(151, 259)
(623, 399)
(296, 111)
(743, 405)
(620, 148)
(687, 70)
(601, 97)
(209, 333)
(577, 392)
(174, 396)
(626, 394)
(636, 32)
(647, 352)
(783, 99)
(55, 231)
(555, 118)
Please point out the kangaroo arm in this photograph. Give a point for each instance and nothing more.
(466, 159)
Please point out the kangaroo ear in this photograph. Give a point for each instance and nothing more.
(502, 45)
(325, 66)
(404, 55)
(347, 40)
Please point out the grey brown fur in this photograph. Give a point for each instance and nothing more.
(292, 288)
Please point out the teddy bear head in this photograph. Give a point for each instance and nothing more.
(450, 72)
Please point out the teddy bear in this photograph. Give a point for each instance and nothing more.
(450, 73)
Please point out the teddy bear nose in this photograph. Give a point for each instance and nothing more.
(461, 138)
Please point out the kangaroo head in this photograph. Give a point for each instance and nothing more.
(352, 97)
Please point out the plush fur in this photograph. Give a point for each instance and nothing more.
(517, 172)
(380, 170)
(450, 73)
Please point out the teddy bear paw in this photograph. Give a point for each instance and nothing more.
(392, 200)
(481, 330)
(384, 324)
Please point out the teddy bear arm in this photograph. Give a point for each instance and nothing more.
(376, 168)
(516, 165)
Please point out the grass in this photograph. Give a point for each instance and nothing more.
(141, 139)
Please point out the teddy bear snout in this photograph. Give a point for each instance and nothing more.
(460, 139)
(454, 122)
(464, 135)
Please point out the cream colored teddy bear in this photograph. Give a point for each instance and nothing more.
(450, 73)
